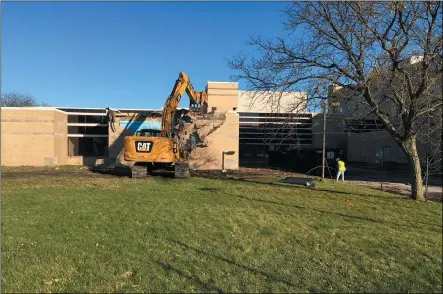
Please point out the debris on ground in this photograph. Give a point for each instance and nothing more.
(117, 170)
(243, 173)
(308, 182)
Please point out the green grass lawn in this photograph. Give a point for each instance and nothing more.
(86, 234)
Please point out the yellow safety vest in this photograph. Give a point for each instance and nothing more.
(341, 166)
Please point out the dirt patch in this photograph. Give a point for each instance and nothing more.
(242, 173)
(391, 185)
(78, 173)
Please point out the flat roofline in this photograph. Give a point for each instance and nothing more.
(223, 82)
(41, 108)
(67, 107)
(32, 107)
(284, 92)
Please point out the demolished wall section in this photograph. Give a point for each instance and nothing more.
(221, 136)
(218, 130)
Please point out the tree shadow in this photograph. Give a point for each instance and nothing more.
(206, 286)
(117, 145)
(208, 189)
(295, 186)
(115, 149)
(302, 207)
(205, 158)
(366, 219)
(268, 276)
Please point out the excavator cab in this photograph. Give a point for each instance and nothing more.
(148, 133)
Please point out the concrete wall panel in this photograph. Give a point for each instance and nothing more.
(271, 102)
(222, 96)
(28, 137)
(30, 115)
(21, 127)
(29, 149)
(222, 85)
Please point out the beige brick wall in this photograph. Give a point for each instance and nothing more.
(223, 96)
(225, 138)
(271, 102)
(61, 137)
(30, 136)
(38, 136)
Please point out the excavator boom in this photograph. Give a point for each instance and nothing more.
(182, 85)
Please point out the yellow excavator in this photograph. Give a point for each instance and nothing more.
(164, 151)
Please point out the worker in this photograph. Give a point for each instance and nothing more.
(341, 168)
(111, 118)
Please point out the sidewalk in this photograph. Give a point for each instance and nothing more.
(389, 181)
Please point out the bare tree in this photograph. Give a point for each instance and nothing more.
(363, 47)
(19, 100)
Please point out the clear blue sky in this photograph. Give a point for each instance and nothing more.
(124, 55)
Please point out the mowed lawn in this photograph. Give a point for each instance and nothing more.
(88, 233)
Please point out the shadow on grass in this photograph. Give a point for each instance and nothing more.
(206, 286)
(302, 207)
(269, 277)
(208, 189)
(322, 190)
(426, 225)
(126, 172)
(120, 172)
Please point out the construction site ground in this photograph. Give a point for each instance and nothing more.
(71, 230)
(388, 181)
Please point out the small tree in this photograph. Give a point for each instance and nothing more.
(364, 48)
(19, 100)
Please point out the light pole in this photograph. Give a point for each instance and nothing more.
(223, 158)
(427, 176)
(324, 141)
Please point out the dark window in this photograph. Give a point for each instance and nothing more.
(83, 110)
(87, 146)
(88, 130)
(87, 119)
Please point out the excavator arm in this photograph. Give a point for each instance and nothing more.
(196, 100)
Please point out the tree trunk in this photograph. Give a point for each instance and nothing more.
(410, 148)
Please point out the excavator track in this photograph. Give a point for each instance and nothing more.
(139, 171)
(182, 170)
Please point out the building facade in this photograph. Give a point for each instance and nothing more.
(39, 136)
(261, 128)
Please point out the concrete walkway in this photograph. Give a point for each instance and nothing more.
(393, 182)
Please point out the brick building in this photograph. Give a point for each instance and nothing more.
(262, 129)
